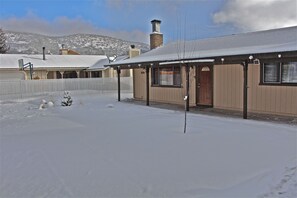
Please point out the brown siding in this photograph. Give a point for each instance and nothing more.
(139, 84)
(171, 95)
(270, 99)
(228, 87)
(228, 91)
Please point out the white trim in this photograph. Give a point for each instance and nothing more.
(188, 61)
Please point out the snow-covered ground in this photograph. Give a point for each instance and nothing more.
(99, 147)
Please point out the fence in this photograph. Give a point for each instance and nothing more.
(17, 89)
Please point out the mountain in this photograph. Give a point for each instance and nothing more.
(88, 44)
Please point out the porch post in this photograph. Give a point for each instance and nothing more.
(119, 83)
(245, 88)
(62, 74)
(147, 86)
(187, 86)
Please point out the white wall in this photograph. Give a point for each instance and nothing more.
(16, 89)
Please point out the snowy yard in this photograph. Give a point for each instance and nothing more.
(99, 147)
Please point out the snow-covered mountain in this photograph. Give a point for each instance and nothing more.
(29, 43)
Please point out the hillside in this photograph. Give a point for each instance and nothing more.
(29, 43)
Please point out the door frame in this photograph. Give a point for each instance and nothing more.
(197, 77)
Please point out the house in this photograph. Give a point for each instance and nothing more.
(96, 70)
(50, 67)
(46, 66)
(65, 51)
(248, 72)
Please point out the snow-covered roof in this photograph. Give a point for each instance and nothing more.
(10, 61)
(269, 41)
(100, 65)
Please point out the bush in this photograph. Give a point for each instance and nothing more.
(67, 100)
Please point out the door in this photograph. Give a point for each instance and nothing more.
(204, 85)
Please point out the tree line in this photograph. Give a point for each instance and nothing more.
(4, 47)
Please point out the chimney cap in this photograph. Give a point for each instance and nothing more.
(156, 21)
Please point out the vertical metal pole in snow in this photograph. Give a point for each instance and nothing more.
(188, 87)
(119, 83)
(187, 98)
(185, 123)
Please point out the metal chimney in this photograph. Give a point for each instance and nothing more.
(43, 52)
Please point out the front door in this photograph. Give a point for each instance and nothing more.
(204, 85)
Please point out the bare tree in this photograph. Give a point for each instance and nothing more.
(3, 45)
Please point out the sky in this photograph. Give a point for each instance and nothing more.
(131, 19)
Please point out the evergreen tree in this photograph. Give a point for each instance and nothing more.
(3, 45)
(67, 100)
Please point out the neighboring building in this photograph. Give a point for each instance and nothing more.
(52, 67)
(65, 51)
(61, 66)
(249, 72)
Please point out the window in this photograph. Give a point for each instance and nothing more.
(96, 74)
(289, 72)
(279, 73)
(271, 73)
(166, 76)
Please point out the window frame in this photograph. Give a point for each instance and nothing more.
(158, 69)
(280, 76)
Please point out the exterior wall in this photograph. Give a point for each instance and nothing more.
(280, 100)
(37, 74)
(171, 95)
(51, 75)
(228, 87)
(139, 81)
(112, 73)
(228, 91)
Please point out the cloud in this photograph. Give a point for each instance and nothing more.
(252, 15)
(66, 26)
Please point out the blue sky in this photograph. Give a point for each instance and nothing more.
(130, 19)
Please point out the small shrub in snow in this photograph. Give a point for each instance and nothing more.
(67, 100)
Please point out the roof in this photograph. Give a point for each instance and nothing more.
(269, 41)
(100, 64)
(10, 61)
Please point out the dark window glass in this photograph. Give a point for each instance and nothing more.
(155, 76)
(168, 76)
(271, 73)
(177, 76)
